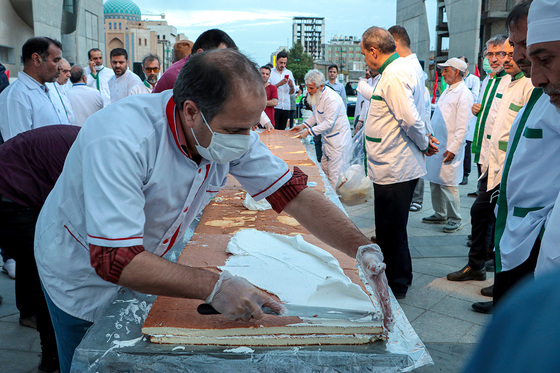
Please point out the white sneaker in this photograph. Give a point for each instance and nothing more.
(10, 268)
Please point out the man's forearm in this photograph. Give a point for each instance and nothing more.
(326, 221)
(272, 102)
(151, 274)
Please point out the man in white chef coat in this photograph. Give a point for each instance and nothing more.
(26, 104)
(449, 124)
(329, 120)
(121, 85)
(530, 181)
(129, 192)
(396, 142)
(98, 75)
(515, 96)
(84, 100)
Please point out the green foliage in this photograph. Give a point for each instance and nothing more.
(299, 62)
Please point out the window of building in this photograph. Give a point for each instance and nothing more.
(120, 26)
(139, 41)
(115, 25)
(145, 41)
(110, 24)
(163, 37)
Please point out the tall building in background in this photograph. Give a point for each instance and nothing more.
(310, 32)
(462, 26)
(78, 24)
(345, 52)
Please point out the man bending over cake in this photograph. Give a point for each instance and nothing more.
(129, 191)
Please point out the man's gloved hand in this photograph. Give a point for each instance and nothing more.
(370, 260)
(238, 299)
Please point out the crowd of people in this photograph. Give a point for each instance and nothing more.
(102, 171)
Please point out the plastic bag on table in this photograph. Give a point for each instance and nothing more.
(353, 186)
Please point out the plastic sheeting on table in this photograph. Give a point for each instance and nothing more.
(115, 343)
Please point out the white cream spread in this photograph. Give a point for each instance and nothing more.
(296, 271)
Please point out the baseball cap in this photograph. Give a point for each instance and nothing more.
(455, 63)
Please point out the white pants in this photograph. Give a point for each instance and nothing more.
(332, 163)
(445, 201)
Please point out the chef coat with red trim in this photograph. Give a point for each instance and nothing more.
(128, 182)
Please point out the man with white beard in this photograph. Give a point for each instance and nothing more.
(328, 120)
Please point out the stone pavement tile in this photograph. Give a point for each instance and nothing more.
(415, 253)
(436, 327)
(453, 239)
(19, 361)
(421, 295)
(441, 251)
(16, 337)
(433, 267)
(458, 289)
(460, 309)
(448, 357)
(411, 312)
(474, 334)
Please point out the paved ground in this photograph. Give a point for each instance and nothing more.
(439, 310)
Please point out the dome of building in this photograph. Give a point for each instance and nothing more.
(126, 9)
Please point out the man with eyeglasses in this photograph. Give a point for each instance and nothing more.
(486, 112)
(150, 67)
(58, 92)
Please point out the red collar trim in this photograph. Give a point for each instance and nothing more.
(170, 112)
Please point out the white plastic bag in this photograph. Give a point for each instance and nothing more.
(353, 186)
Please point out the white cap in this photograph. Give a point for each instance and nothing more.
(455, 63)
(543, 22)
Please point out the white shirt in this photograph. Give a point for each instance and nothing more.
(338, 88)
(329, 120)
(472, 125)
(473, 84)
(283, 91)
(515, 97)
(100, 82)
(25, 105)
(365, 89)
(121, 87)
(127, 185)
(59, 98)
(85, 101)
(141, 89)
(530, 183)
(549, 255)
(395, 132)
(449, 124)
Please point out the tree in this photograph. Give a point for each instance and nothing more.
(299, 62)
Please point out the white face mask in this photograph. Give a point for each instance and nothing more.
(223, 148)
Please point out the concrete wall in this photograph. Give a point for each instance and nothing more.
(463, 19)
(411, 14)
(13, 34)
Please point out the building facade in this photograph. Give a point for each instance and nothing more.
(310, 32)
(78, 24)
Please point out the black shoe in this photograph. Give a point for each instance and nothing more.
(373, 239)
(483, 307)
(469, 237)
(400, 295)
(465, 180)
(469, 243)
(48, 365)
(467, 273)
(490, 265)
(487, 291)
(29, 322)
(473, 194)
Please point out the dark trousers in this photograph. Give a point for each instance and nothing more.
(318, 147)
(392, 204)
(281, 118)
(17, 229)
(467, 159)
(483, 221)
(291, 118)
(505, 280)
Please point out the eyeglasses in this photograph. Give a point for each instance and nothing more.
(509, 54)
(497, 54)
(152, 69)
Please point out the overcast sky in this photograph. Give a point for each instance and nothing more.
(259, 28)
